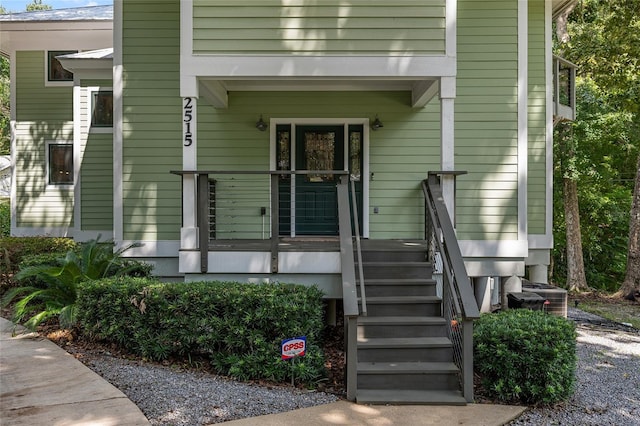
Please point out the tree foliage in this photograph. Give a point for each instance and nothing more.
(604, 41)
(5, 130)
(36, 5)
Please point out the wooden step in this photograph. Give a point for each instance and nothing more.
(394, 270)
(410, 397)
(398, 349)
(377, 287)
(395, 255)
(408, 375)
(401, 326)
(404, 306)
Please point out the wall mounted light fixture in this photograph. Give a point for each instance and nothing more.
(261, 125)
(377, 124)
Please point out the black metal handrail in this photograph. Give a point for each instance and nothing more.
(459, 305)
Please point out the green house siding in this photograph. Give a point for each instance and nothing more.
(311, 27)
(400, 155)
(486, 120)
(43, 114)
(96, 171)
(537, 183)
(152, 131)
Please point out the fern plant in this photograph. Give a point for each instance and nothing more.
(58, 294)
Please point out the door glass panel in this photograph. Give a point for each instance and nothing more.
(283, 162)
(319, 154)
(355, 155)
(283, 150)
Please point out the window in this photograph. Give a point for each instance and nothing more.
(55, 72)
(60, 163)
(102, 109)
(564, 80)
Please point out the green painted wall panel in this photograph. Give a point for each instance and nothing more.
(152, 131)
(96, 170)
(42, 114)
(401, 154)
(486, 136)
(311, 27)
(97, 183)
(536, 201)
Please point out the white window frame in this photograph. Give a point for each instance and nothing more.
(48, 83)
(561, 109)
(91, 91)
(59, 186)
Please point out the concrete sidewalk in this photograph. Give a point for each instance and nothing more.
(41, 384)
(347, 413)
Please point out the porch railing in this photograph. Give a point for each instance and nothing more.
(247, 206)
(458, 303)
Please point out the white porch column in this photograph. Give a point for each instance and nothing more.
(189, 230)
(447, 144)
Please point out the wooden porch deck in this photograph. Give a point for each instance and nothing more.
(316, 244)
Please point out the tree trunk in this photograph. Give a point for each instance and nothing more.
(561, 25)
(630, 287)
(576, 280)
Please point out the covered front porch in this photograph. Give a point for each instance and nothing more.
(248, 227)
(404, 321)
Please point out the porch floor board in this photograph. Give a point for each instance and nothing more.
(319, 244)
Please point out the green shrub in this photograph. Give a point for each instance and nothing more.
(14, 249)
(527, 356)
(239, 326)
(5, 219)
(50, 259)
(50, 289)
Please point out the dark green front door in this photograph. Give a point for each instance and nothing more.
(308, 201)
(318, 148)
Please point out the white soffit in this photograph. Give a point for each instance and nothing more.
(215, 90)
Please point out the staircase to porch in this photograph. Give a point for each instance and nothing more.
(406, 341)
(404, 355)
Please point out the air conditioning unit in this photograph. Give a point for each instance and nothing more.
(556, 296)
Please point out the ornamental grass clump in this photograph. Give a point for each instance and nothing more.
(525, 356)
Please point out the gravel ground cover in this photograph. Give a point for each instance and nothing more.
(607, 378)
(607, 387)
(169, 396)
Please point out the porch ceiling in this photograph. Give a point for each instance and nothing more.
(216, 90)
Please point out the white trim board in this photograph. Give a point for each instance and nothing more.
(540, 242)
(77, 153)
(118, 213)
(149, 248)
(67, 232)
(259, 262)
(505, 249)
(548, 47)
(523, 116)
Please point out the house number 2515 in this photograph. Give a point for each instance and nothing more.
(187, 118)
